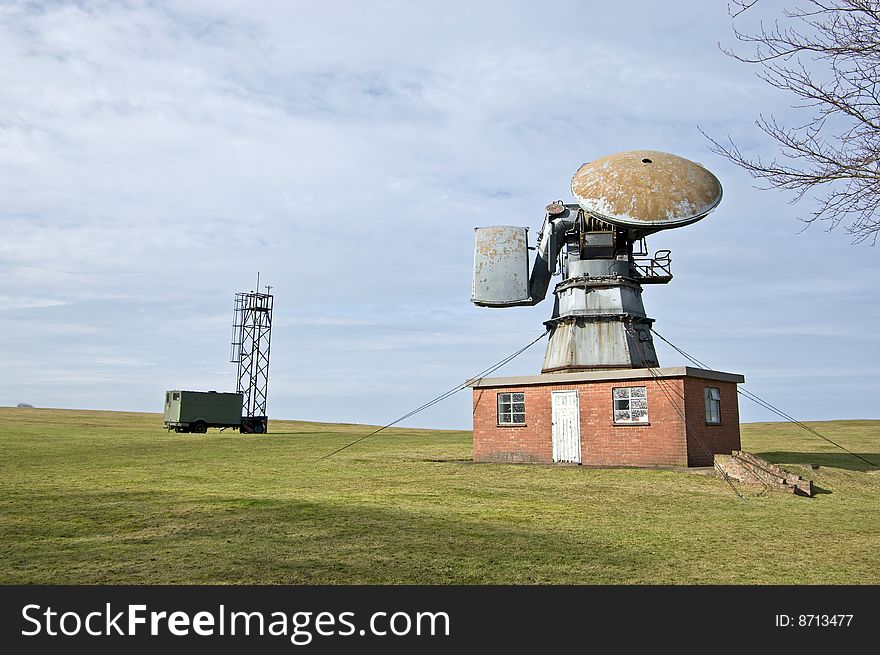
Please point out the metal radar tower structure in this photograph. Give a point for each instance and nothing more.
(597, 246)
(251, 340)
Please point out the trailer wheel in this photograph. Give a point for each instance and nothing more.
(258, 428)
(200, 426)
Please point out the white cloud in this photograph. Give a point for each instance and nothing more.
(11, 303)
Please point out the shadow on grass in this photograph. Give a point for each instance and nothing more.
(445, 460)
(832, 460)
(161, 538)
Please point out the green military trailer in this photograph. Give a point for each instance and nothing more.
(196, 411)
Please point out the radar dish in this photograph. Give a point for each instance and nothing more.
(646, 189)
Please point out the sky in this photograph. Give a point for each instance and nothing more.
(154, 156)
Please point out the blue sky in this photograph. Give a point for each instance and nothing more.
(154, 156)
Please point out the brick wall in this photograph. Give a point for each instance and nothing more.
(723, 438)
(661, 442)
(529, 443)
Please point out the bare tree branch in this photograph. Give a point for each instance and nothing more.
(826, 54)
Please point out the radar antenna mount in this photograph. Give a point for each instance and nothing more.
(597, 246)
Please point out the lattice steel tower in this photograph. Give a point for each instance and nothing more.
(251, 339)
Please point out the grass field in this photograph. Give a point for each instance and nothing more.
(109, 497)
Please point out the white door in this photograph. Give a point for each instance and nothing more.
(566, 427)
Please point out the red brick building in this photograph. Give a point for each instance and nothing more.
(674, 416)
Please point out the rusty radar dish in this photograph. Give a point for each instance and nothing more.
(646, 189)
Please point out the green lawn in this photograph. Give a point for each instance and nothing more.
(109, 497)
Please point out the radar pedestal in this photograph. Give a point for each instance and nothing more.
(600, 334)
(599, 319)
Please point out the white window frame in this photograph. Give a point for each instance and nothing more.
(509, 415)
(622, 405)
(713, 405)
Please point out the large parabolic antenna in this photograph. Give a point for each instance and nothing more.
(646, 190)
(598, 247)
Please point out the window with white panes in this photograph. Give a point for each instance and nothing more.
(511, 408)
(630, 404)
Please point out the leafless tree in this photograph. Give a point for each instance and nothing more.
(827, 54)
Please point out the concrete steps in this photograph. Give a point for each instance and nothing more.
(752, 469)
